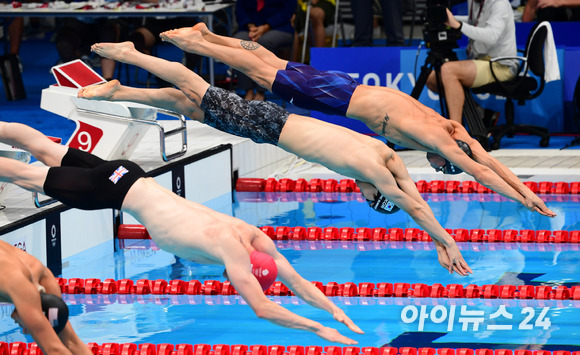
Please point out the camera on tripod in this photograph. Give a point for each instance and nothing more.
(435, 33)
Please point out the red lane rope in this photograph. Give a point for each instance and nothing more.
(331, 289)
(435, 186)
(136, 231)
(418, 235)
(21, 348)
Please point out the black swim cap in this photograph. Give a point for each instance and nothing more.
(382, 204)
(55, 310)
(448, 167)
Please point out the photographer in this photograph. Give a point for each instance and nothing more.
(491, 30)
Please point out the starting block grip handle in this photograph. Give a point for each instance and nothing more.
(182, 129)
(181, 118)
(42, 203)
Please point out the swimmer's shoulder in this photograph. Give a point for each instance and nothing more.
(13, 272)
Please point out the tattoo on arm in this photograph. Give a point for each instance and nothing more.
(385, 122)
(249, 45)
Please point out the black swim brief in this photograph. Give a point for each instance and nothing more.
(261, 121)
(87, 182)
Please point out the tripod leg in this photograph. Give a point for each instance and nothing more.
(441, 91)
(426, 70)
(471, 114)
(421, 81)
(474, 121)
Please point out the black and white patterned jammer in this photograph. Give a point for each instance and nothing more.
(261, 121)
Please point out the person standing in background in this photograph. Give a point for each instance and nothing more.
(12, 29)
(321, 13)
(392, 11)
(15, 30)
(75, 35)
(267, 22)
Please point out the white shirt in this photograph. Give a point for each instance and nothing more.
(491, 29)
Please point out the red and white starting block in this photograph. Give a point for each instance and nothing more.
(110, 130)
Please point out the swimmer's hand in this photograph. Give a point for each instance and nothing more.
(451, 259)
(340, 316)
(333, 335)
(535, 204)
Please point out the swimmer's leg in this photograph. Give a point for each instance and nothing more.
(166, 98)
(192, 85)
(27, 176)
(238, 58)
(33, 141)
(262, 52)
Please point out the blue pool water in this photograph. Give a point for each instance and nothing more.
(470, 211)
(415, 322)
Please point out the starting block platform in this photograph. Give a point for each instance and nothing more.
(110, 130)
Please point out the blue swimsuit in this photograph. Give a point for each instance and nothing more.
(324, 91)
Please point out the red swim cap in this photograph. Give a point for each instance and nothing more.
(264, 268)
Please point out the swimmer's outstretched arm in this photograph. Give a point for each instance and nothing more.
(68, 336)
(300, 286)
(191, 84)
(490, 172)
(237, 263)
(166, 98)
(310, 293)
(531, 200)
(396, 184)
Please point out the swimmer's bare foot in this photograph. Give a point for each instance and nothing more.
(202, 27)
(100, 92)
(116, 51)
(185, 38)
(214, 38)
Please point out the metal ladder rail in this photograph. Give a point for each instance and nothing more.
(182, 129)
